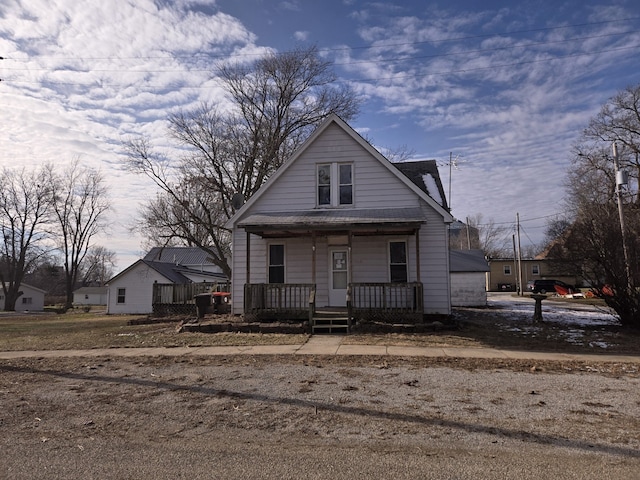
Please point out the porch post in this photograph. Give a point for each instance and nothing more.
(418, 255)
(349, 261)
(313, 257)
(248, 280)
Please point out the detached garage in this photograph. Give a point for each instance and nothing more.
(468, 278)
(32, 299)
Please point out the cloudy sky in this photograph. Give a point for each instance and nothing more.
(504, 90)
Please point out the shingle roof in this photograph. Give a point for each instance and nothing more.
(425, 175)
(334, 218)
(467, 261)
(178, 255)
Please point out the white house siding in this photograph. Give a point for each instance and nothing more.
(434, 269)
(374, 186)
(468, 289)
(32, 299)
(139, 290)
(90, 298)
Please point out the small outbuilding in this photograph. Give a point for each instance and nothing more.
(32, 299)
(468, 278)
(90, 296)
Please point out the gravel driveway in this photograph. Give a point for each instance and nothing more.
(316, 417)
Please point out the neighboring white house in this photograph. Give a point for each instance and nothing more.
(339, 216)
(32, 299)
(468, 278)
(131, 291)
(90, 296)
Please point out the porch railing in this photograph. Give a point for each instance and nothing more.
(279, 301)
(174, 299)
(386, 301)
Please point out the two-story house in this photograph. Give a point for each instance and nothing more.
(339, 225)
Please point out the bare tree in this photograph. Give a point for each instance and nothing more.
(593, 242)
(25, 211)
(97, 266)
(618, 121)
(79, 199)
(278, 101)
(491, 238)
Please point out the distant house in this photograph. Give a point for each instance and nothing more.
(32, 299)
(468, 278)
(339, 225)
(131, 291)
(503, 275)
(90, 296)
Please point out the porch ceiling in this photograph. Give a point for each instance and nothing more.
(329, 221)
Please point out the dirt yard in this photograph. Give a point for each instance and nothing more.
(317, 417)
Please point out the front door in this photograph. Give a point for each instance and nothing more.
(338, 276)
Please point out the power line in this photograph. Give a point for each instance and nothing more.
(363, 47)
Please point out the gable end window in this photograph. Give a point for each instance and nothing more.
(398, 262)
(121, 295)
(335, 184)
(276, 263)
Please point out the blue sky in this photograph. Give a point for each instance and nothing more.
(505, 89)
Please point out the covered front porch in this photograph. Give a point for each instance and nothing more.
(364, 263)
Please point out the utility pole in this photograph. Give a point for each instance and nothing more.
(621, 180)
(520, 290)
(468, 236)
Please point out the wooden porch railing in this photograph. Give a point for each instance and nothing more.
(279, 301)
(386, 301)
(172, 299)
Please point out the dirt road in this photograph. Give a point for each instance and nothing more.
(316, 417)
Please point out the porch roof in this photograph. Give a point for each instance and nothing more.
(363, 221)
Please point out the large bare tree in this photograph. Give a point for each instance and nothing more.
(79, 199)
(25, 212)
(593, 244)
(276, 102)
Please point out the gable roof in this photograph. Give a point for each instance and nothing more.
(173, 273)
(425, 175)
(178, 255)
(467, 261)
(334, 119)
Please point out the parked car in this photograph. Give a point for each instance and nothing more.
(549, 286)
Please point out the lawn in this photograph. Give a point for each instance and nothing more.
(79, 330)
(503, 325)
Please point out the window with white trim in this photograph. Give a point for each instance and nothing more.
(276, 263)
(122, 295)
(398, 262)
(27, 300)
(335, 184)
(507, 269)
(535, 269)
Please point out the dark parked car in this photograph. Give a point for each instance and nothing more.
(549, 286)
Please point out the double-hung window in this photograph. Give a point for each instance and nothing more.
(276, 263)
(335, 184)
(121, 295)
(398, 262)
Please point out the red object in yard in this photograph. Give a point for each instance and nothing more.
(221, 297)
(560, 290)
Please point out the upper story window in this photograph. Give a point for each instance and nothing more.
(335, 184)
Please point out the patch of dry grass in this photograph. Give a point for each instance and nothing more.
(76, 330)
